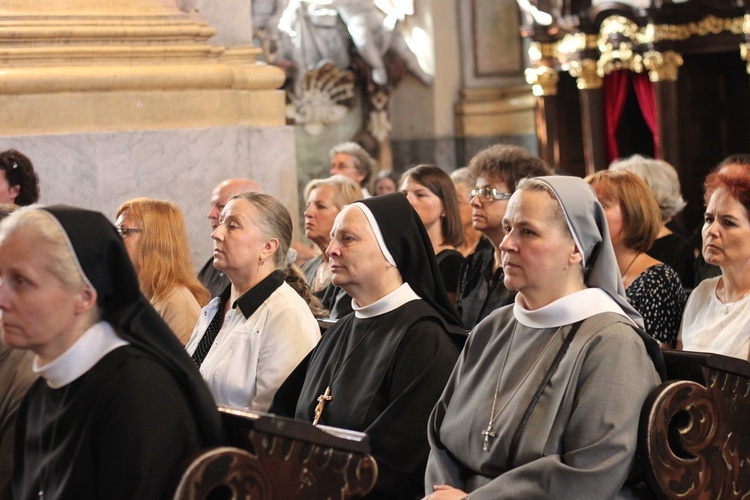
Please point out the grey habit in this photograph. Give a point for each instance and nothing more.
(580, 440)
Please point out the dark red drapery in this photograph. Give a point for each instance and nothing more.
(615, 87)
(644, 91)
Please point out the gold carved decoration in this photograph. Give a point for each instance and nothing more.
(586, 74)
(651, 33)
(573, 43)
(622, 57)
(744, 50)
(662, 66)
(541, 51)
(617, 25)
(709, 25)
(543, 80)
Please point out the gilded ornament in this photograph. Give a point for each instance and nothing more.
(586, 74)
(709, 25)
(573, 43)
(617, 25)
(543, 80)
(622, 57)
(542, 51)
(744, 50)
(662, 66)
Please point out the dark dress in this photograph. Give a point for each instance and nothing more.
(660, 298)
(450, 261)
(480, 291)
(120, 431)
(385, 373)
(212, 278)
(676, 252)
(334, 299)
(16, 376)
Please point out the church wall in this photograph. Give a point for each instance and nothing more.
(101, 170)
(479, 97)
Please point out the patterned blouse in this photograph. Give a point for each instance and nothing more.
(660, 298)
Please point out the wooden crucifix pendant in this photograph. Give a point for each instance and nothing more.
(322, 400)
(487, 433)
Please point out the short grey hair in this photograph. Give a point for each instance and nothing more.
(362, 159)
(661, 178)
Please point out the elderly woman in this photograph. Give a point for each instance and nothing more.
(119, 405)
(545, 399)
(717, 315)
(633, 218)
(432, 194)
(496, 169)
(668, 247)
(19, 183)
(251, 337)
(156, 240)
(381, 369)
(325, 199)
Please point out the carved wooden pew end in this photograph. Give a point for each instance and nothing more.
(275, 458)
(694, 439)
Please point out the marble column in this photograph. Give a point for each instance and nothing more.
(113, 100)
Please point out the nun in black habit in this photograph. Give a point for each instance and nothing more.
(381, 369)
(119, 405)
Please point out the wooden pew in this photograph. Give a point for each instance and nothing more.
(694, 437)
(279, 458)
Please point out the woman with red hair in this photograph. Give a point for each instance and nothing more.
(717, 315)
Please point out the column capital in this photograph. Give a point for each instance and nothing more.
(662, 66)
(586, 74)
(543, 80)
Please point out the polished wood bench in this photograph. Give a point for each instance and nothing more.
(694, 437)
(278, 458)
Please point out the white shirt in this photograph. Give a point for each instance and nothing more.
(709, 325)
(251, 357)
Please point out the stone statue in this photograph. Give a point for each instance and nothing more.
(309, 32)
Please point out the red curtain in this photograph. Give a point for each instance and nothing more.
(615, 93)
(616, 86)
(644, 91)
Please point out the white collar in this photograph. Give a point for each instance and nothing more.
(93, 345)
(393, 300)
(568, 310)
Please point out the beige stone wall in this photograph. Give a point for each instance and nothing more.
(117, 99)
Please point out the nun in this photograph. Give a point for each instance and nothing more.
(381, 368)
(545, 399)
(119, 405)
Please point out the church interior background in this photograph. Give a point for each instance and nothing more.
(165, 98)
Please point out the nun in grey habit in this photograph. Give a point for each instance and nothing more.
(545, 399)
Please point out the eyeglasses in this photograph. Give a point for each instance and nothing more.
(487, 193)
(125, 231)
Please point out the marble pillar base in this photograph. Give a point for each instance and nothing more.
(101, 170)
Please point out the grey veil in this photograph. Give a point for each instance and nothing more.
(588, 225)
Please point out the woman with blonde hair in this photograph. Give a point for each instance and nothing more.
(324, 200)
(155, 237)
